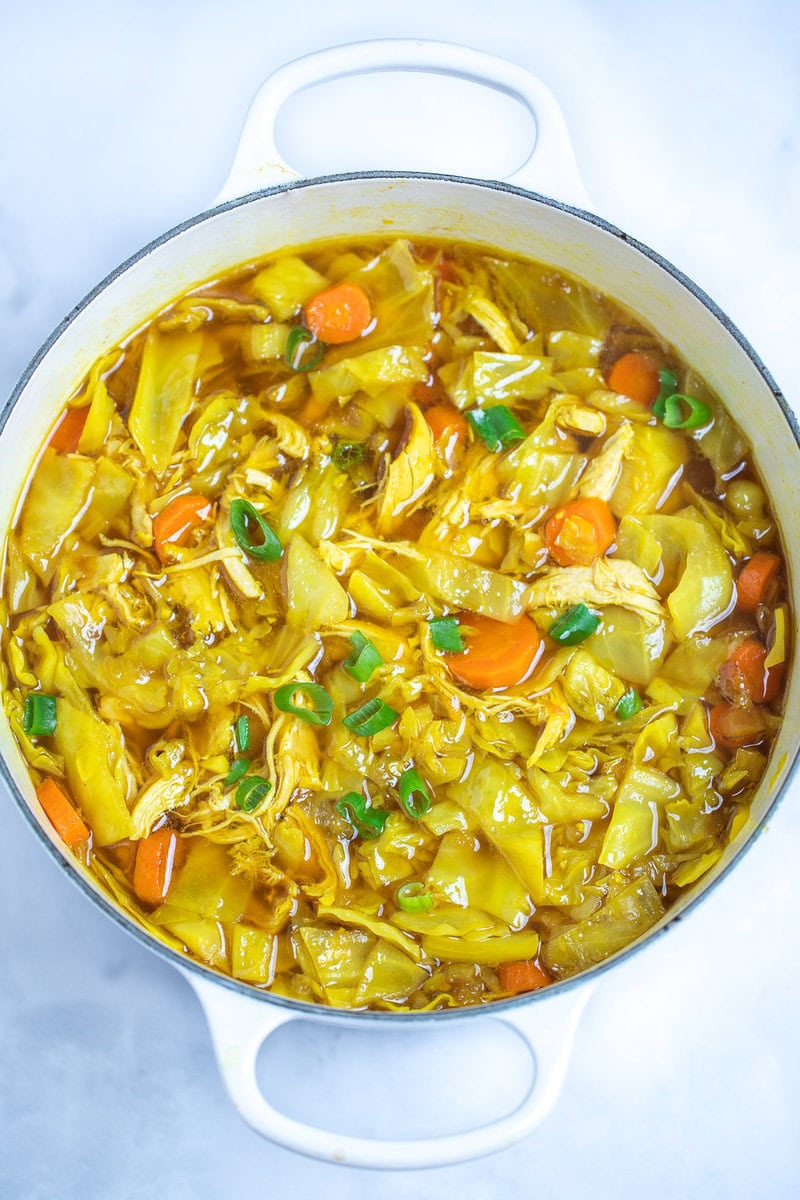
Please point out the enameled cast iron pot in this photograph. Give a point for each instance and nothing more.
(265, 207)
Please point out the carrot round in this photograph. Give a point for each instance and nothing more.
(524, 976)
(733, 726)
(339, 314)
(755, 578)
(635, 375)
(579, 532)
(174, 524)
(67, 433)
(744, 679)
(447, 424)
(497, 655)
(157, 858)
(61, 813)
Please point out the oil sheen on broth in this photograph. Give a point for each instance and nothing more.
(395, 625)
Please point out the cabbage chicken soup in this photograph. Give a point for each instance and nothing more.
(394, 625)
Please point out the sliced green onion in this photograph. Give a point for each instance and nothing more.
(347, 454)
(238, 770)
(303, 352)
(371, 718)
(629, 705)
(497, 427)
(367, 821)
(321, 709)
(699, 413)
(363, 659)
(412, 897)
(251, 792)
(576, 625)
(39, 718)
(669, 386)
(241, 733)
(245, 518)
(446, 635)
(414, 795)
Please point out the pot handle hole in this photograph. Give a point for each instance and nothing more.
(550, 168)
(240, 1025)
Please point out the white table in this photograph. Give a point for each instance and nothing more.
(119, 120)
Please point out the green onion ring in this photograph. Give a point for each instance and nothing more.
(251, 792)
(446, 635)
(347, 454)
(40, 717)
(243, 514)
(363, 659)
(574, 626)
(241, 733)
(303, 352)
(629, 705)
(367, 821)
(239, 769)
(412, 897)
(321, 711)
(414, 795)
(699, 413)
(496, 426)
(371, 718)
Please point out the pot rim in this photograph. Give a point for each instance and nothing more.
(299, 1008)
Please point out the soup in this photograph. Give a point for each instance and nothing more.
(395, 626)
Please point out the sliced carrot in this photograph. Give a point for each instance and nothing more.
(635, 375)
(67, 433)
(733, 726)
(62, 813)
(579, 532)
(744, 679)
(755, 577)
(447, 424)
(339, 314)
(524, 976)
(158, 856)
(174, 524)
(498, 655)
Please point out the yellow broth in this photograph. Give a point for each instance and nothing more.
(551, 818)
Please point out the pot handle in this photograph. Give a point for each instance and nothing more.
(240, 1025)
(551, 166)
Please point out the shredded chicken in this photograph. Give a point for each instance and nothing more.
(409, 476)
(602, 474)
(608, 581)
(578, 417)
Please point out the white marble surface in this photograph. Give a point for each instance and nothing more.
(118, 120)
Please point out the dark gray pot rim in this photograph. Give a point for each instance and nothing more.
(299, 1008)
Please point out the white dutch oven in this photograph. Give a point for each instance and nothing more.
(264, 206)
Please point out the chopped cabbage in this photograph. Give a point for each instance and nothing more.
(164, 394)
(285, 285)
(55, 502)
(623, 918)
(371, 372)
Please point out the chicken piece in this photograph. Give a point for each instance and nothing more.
(478, 306)
(158, 798)
(289, 438)
(573, 414)
(408, 478)
(558, 722)
(602, 474)
(608, 581)
(141, 521)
